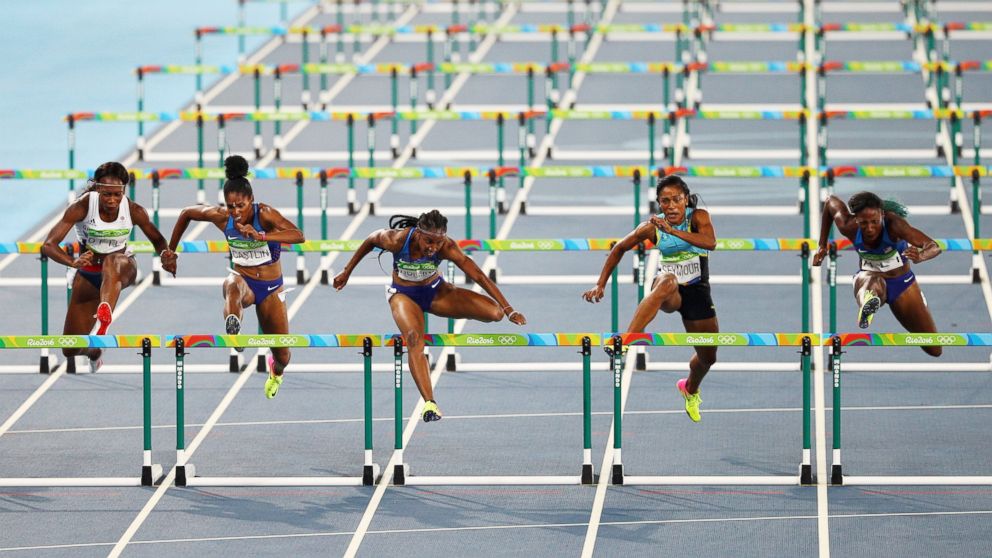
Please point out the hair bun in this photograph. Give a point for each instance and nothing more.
(235, 166)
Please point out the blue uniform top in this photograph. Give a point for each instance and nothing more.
(247, 252)
(887, 256)
(416, 270)
(678, 256)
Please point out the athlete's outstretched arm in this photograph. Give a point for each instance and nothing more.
(73, 214)
(453, 253)
(209, 214)
(835, 211)
(378, 239)
(140, 218)
(921, 247)
(277, 227)
(643, 233)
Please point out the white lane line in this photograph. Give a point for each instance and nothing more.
(31, 400)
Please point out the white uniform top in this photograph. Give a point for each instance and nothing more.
(100, 236)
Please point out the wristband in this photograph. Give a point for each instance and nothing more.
(262, 235)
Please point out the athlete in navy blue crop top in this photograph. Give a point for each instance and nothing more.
(255, 233)
(684, 236)
(418, 246)
(886, 243)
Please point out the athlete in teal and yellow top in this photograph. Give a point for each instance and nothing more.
(419, 245)
(684, 236)
(886, 244)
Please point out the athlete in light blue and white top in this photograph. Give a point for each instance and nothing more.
(419, 245)
(254, 233)
(684, 236)
(103, 217)
(886, 243)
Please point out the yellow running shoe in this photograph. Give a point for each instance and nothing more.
(431, 412)
(692, 400)
(273, 383)
(867, 313)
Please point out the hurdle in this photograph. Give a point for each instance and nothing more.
(401, 471)
(840, 340)
(617, 343)
(186, 472)
(150, 473)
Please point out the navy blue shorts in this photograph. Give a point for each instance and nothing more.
(895, 286)
(262, 289)
(94, 277)
(423, 295)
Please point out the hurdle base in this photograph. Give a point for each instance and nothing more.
(235, 362)
(325, 277)
(452, 363)
(150, 474)
(713, 480)
(184, 473)
(47, 363)
(641, 363)
(495, 480)
(400, 472)
(836, 475)
(587, 474)
(942, 480)
(806, 477)
(58, 482)
(301, 276)
(352, 210)
(492, 275)
(260, 363)
(370, 473)
(617, 474)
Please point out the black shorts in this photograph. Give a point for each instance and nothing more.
(697, 304)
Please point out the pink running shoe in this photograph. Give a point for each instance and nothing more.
(104, 315)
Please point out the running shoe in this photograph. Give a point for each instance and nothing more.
(692, 400)
(273, 383)
(431, 412)
(867, 313)
(233, 327)
(96, 363)
(104, 315)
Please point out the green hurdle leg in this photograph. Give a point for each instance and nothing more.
(399, 471)
(492, 205)
(804, 263)
(587, 470)
(616, 362)
(370, 471)
(44, 364)
(836, 473)
(183, 471)
(277, 125)
(614, 296)
(324, 274)
(201, 195)
(467, 180)
(221, 144)
(71, 141)
(301, 273)
(500, 161)
(257, 142)
(371, 145)
(452, 363)
(806, 467)
(147, 473)
(394, 94)
(832, 281)
(305, 59)
(140, 143)
(352, 198)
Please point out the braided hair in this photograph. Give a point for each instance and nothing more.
(433, 220)
(672, 180)
(864, 200)
(236, 170)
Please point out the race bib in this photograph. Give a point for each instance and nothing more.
(892, 260)
(686, 268)
(107, 241)
(249, 253)
(415, 271)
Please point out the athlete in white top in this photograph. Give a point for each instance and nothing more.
(103, 218)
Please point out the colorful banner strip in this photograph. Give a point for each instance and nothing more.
(711, 339)
(512, 245)
(911, 339)
(288, 340)
(501, 339)
(593, 171)
(77, 341)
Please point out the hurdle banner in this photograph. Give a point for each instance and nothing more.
(617, 343)
(186, 471)
(150, 473)
(836, 342)
(401, 470)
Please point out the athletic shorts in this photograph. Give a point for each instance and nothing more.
(423, 295)
(697, 304)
